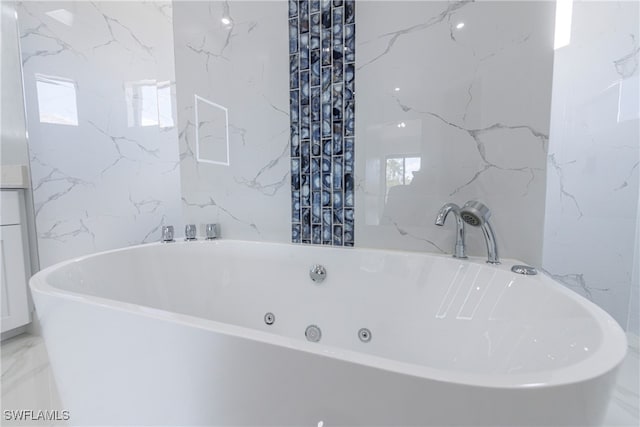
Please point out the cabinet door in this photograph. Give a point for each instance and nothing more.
(15, 306)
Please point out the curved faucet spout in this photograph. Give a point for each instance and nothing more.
(492, 246)
(458, 249)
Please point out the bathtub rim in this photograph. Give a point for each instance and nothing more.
(612, 348)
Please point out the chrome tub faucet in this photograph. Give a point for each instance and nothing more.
(458, 249)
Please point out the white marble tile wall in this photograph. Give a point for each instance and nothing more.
(235, 55)
(461, 87)
(465, 88)
(633, 324)
(99, 88)
(591, 226)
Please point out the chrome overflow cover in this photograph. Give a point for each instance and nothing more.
(269, 318)
(524, 269)
(313, 333)
(318, 273)
(364, 334)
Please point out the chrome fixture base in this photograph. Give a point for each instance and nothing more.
(212, 231)
(190, 232)
(167, 234)
(524, 269)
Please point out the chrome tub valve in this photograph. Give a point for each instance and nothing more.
(212, 231)
(190, 232)
(167, 234)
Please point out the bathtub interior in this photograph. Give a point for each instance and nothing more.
(421, 309)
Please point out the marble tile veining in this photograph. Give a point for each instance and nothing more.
(592, 217)
(99, 89)
(453, 106)
(235, 54)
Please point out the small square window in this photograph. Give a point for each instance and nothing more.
(399, 170)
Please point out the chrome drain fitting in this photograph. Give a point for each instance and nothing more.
(524, 269)
(313, 333)
(269, 318)
(364, 334)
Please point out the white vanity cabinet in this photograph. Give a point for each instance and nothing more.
(15, 266)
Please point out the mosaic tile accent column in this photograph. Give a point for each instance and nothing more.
(322, 71)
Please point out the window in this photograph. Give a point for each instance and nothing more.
(399, 170)
(57, 100)
(149, 104)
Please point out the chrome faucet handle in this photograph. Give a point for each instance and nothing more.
(190, 232)
(212, 231)
(167, 234)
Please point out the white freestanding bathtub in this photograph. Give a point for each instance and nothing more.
(175, 334)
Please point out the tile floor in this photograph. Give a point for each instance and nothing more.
(27, 382)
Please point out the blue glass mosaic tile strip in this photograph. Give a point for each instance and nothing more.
(349, 118)
(314, 28)
(348, 156)
(315, 108)
(293, 35)
(337, 173)
(322, 111)
(316, 207)
(337, 102)
(337, 235)
(295, 141)
(305, 157)
(293, 8)
(295, 178)
(350, 42)
(294, 76)
(337, 139)
(303, 15)
(296, 207)
(326, 164)
(338, 216)
(349, 11)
